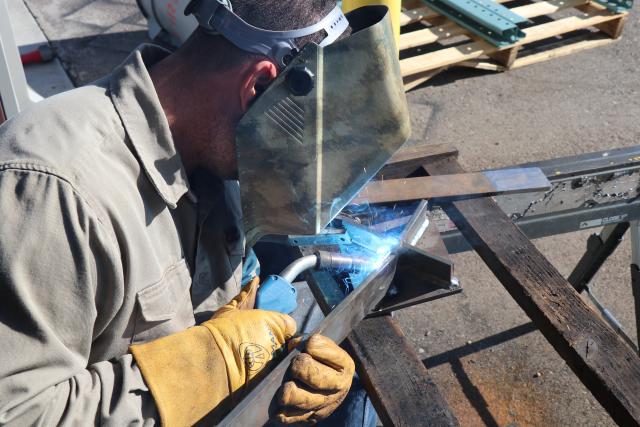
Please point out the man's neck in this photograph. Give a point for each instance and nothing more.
(176, 108)
(202, 108)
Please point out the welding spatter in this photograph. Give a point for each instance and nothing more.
(277, 292)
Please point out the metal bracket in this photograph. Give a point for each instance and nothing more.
(424, 271)
(489, 20)
(341, 238)
(599, 248)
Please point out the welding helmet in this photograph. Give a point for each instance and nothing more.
(329, 122)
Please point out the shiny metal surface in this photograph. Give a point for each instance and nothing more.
(254, 409)
(299, 266)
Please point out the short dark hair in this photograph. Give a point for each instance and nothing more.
(282, 15)
(275, 15)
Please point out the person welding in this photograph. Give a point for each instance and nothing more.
(127, 206)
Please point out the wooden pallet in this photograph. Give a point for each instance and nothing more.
(431, 43)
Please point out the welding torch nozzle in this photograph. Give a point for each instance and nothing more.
(338, 262)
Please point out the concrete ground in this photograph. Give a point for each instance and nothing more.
(491, 365)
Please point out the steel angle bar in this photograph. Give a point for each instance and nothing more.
(618, 159)
(588, 191)
(490, 183)
(256, 408)
(425, 270)
(489, 20)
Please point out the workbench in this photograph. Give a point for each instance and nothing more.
(602, 357)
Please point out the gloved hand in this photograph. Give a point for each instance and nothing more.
(322, 378)
(192, 372)
(245, 300)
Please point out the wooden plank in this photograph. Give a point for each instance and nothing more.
(575, 46)
(418, 153)
(410, 158)
(490, 183)
(613, 28)
(444, 57)
(416, 15)
(566, 25)
(416, 80)
(479, 64)
(546, 7)
(597, 355)
(505, 58)
(411, 4)
(400, 387)
(430, 35)
(451, 29)
(560, 52)
(476, 49)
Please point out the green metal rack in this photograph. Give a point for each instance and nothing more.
(489, 20)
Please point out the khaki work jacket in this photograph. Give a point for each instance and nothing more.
(103, 243)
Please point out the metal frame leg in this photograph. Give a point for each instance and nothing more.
(13, 83)
(635, 271)
(599, 248)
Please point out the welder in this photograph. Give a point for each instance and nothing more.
(127, 206)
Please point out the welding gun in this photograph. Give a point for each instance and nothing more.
(277, 292)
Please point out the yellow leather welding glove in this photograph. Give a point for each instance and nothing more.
(321, 379)
(205, 367)
(245, 300)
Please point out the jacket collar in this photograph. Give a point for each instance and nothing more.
(135, 99)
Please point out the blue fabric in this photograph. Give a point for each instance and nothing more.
(355, 411)
(250, 267)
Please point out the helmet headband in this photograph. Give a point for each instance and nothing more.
(217, 17)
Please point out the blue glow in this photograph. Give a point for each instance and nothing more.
(383, 250)
(375, 233)
(376, 249)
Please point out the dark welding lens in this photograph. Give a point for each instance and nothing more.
(300, 80)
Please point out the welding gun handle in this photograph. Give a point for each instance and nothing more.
(277, 294)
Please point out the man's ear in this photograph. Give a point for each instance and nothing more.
(257, 77)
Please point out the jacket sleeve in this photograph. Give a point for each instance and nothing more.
(61, 282)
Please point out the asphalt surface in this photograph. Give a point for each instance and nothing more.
(491, 365)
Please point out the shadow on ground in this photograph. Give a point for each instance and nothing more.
(87, 59)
